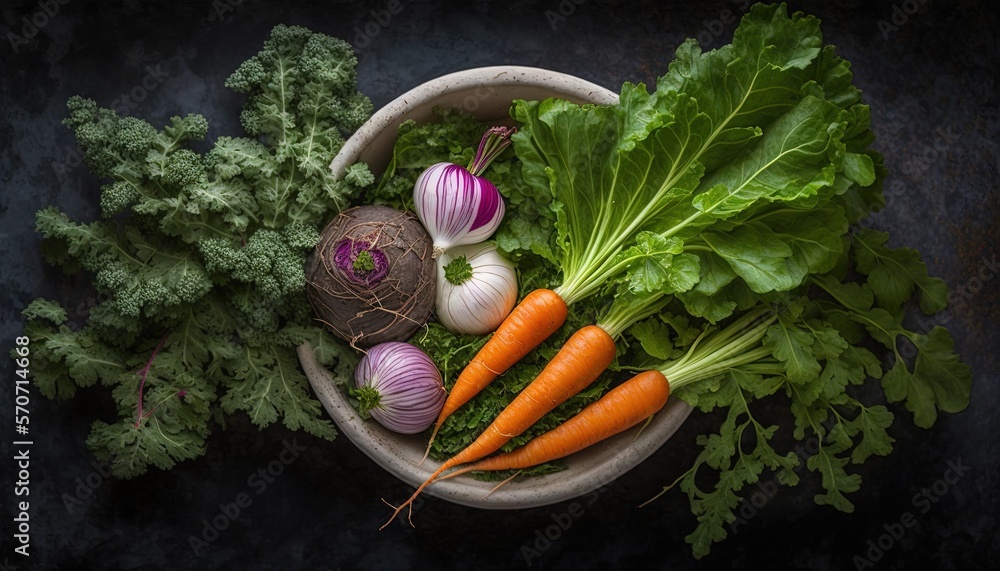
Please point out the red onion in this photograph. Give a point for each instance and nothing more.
(400, 386)
(456, 204)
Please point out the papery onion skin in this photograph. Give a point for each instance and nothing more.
(410, 391)
(456, 207)
(479, 305)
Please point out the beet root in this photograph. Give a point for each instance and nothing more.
(371, 278)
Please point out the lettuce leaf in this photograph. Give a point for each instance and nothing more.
(766, 119)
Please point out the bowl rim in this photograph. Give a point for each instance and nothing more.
(395, 452)
(389, 115)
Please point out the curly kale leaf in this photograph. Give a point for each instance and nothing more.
(267, 383)
(142, 275)
(155, 178)
(63, 359)
(173, 421)
(302, 102)
(203, 255)
(270, 260)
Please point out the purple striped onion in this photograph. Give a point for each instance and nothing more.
(400, 386)
(456, 204)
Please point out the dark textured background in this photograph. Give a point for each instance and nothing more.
(930, 80)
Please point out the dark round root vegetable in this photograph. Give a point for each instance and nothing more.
(371, 278)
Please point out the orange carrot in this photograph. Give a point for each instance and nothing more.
(621, 408)
(538, 315)
(585, 355)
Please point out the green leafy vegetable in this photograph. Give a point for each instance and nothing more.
(199, 258)
(894, 275)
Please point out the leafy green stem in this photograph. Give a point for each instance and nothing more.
(712, 354)
(143, 375)
(626, 310)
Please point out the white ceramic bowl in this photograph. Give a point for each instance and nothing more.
(486, 93)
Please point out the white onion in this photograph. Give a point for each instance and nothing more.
(456, 204)
(400, 386)
(482, 301)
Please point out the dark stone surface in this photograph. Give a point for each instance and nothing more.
(928, 69)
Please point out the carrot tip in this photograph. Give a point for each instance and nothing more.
(396, 511)
(506, 481)
(409, 502)
(429, 443)
(643, 427)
